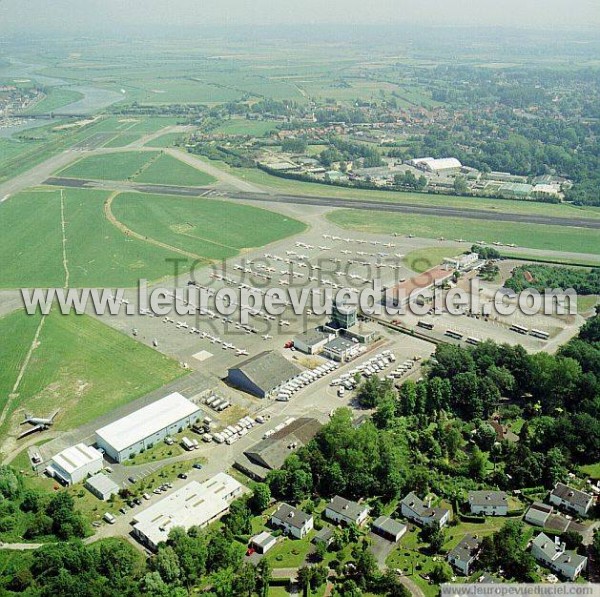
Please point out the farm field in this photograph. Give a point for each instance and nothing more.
(533, 236)
(169, 170)
(203, 226)
(259, 177)
(81, 366)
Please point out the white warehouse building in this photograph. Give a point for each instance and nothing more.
(195, 504)
(145, 427)
(75, 463)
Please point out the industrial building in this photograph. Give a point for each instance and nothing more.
(145, 427)
(74, 464)
(436, 166)
(101, 486)
(312, 341)
(195, 504)
(340, 349)
(270, 453)
(263, 375)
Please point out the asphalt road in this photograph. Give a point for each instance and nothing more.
(363, 204)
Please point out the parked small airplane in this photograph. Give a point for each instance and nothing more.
(267, 337)
(38, 423)
(241, 352)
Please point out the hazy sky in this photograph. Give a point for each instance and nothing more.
(77, 14)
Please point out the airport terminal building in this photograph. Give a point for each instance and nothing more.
(145, 427)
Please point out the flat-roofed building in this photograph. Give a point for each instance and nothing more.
(389, 528)
(312, 341)
(195, 504)
(75, 463)
(101, 486)
(538, 514)
(340, 349)
(263, 374)
(263, 542)
(145, 427)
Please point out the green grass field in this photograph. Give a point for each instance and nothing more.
(169, 170)
(166, 140)
(123, 165)
(424, 259)
(533, 236)
(57, 97)
(241, 126)
(150, 167)
(98, 254)
(202, 226)
(81, 366)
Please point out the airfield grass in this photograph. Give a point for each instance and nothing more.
(81, 366)
(169, 170)
(259, 177)
(533, 236)
(212, 229)
(423, 259)
(98, 254)
(241, 126)
(57, 97)
(166, 140)
(122, 165)
(122, 140)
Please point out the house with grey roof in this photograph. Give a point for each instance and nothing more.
(553, 555)
(293, 521)
(325, 535)
(263, 374)
(462, 557)
(415, 509)
(263, 542)
(571, 499)
(341, 510)
(389, 528)
(488, 503)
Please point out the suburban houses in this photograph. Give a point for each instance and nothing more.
(293, 521)
(462, 557)
(571, 499)
(346, 512)
(488, 503)
(416, 510)
(553, 555)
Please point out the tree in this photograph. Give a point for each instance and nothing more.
(245, 580)
(572, 539)
(408, 398)
(477, 464)
(11, 483)
(460, 185)
(166, 563)
(320, 574)
(320, 551)
(239, 518)
(304, 579)
(261, 498)
(440, 573)
(434, 535)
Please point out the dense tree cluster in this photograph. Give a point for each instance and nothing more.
(542, 277)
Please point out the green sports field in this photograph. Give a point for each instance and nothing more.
(213, 229)
(80, 365)
(533, 236)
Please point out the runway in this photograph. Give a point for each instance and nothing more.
(335, 202)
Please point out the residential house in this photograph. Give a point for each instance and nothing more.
(293, 521)
(488, 503)
(345, 511)
(465, 553)
(571, 499)
(553, 555)
(415, 509)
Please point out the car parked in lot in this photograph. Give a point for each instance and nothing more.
(197, 466)
(182, 476)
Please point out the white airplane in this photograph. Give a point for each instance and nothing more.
(389, 245)
(38, 423)
(284, 322)
(398, 255)
(155, 343)
(241, 352)
(346, 252)
(267, 337)
(227, 345)
(347, 240)
(327, 236)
